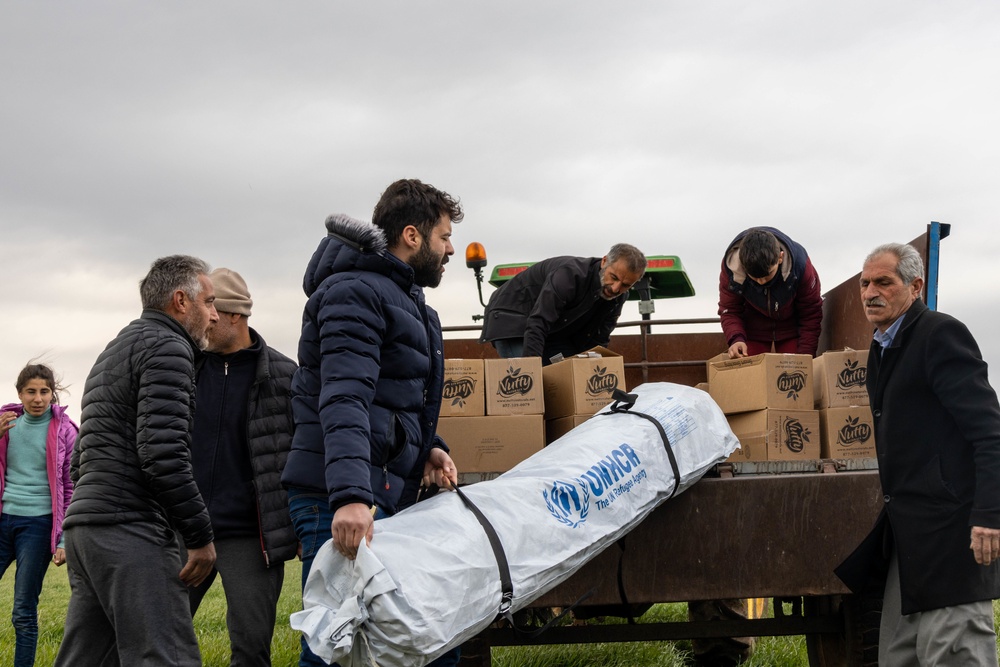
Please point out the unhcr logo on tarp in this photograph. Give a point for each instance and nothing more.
(568, 504)
(613, 476)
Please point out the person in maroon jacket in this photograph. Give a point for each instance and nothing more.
(769, 295)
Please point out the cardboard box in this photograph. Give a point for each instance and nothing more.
(703, 386)
(582, 385)
(514, 386)
(753, 443)
(763, 381)
(839, 378)
(557, 428)
(724, 356)
(847, 433)
(463, 394)
(492, 444)
(776, 435)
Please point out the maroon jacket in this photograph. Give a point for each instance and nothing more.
(790, 306)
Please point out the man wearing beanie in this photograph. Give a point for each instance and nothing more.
(242, 434)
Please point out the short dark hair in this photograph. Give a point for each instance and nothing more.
(410, 202)
(169, 274)
(759, 251)
(39, 372)
(632, 256)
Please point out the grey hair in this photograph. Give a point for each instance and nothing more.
(169, 274)
(632, 256)
(910, 265)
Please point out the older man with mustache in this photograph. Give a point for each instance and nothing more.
(937, 435)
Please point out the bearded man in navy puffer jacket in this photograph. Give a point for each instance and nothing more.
(367, 392)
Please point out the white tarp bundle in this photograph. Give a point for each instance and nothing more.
(429, 579)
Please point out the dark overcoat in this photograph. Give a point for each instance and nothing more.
(937, 435)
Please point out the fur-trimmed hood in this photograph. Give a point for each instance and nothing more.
(349, 244)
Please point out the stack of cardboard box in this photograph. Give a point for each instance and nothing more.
(491, 412)
(768, 401)
(579, 386)
(846, 426)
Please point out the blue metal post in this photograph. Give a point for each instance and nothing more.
(935, 232)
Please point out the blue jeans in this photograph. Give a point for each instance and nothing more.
(311, 517)
(26, 540)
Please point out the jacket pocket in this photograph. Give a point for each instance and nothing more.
(395, 440)
(935, 482)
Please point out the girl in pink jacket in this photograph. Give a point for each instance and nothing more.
(36, 443)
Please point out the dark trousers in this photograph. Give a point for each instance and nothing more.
(252, 590)
(509, 348)
(127, 605)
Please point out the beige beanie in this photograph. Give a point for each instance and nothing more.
(231, 293)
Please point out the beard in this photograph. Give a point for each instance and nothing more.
(426, 265)
(216, 341)
(604, 288)
(200, 339)
(198, 328)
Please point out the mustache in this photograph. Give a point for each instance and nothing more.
(877, 301)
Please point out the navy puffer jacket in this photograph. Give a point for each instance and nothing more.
(367, 392)
(132, 461)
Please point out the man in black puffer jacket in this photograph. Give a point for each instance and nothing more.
(241, 438)
(367, 392)
(134, 485)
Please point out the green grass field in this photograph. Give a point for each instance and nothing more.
(210, 625)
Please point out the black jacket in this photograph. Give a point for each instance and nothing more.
(367, 392)
(937, 436)
(132, 461)
(555, 303)
(238, 465)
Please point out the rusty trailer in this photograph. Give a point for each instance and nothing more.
(772, 530)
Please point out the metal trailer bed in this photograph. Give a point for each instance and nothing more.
(772, 530)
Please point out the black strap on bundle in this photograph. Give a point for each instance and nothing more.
(623, 405)
(506, 584)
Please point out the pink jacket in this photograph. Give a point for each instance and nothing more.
(58, 451)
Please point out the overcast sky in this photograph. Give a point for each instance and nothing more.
(230, 130)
